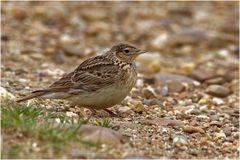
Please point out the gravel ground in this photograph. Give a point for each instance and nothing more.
(186, 101)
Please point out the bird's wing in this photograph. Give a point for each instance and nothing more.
(91, 75)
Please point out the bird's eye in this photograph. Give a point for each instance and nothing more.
(126, 50)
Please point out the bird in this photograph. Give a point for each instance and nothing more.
(99, 82)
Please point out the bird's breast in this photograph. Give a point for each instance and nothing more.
(128, 76)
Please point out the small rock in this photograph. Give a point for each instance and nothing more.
(218, 91)
(218, 80)
(150, 62)
(163, 91)
(154, 66)
(164, 122)
(149, 92)
(100, 135)
(193, 111)
(220, 135)
(137, 106)
(71, 114)
(159, 42)
(223, 53)
(175, 87)
(216, 123)
(202, 117)
(139, 83)
(124, 111)
(180, 140)
(21, 80)
(72, 48)
(155, 101)
(163, 78)
(53, 72)
(206, 99)
(201, 74)
(82, 153)
(217, 101)
(191, 36)
(191, 129)
(186, 68)
(5, 94)
(227, 131)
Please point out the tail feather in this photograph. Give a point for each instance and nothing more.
(34, 94)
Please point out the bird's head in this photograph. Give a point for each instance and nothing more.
(125, 52)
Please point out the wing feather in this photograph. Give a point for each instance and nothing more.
(91, 75)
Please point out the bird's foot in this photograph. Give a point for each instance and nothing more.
(110, 112)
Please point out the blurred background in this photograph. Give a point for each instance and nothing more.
(187, 42)
(178, 35)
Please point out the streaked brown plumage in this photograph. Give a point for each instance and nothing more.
(98, 82)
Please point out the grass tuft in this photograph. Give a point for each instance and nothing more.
(51, 129)
(103, 123)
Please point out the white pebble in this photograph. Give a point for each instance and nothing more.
(57, 120)
(71, 114)
(220, 135)
(202, 117)
(180, 140)
(5, 94)
(223, 53)
(164, 130)
(23, 80)
(139, 83)
(217, 101)
(204, 108)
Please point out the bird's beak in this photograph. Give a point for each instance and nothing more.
(141, 51)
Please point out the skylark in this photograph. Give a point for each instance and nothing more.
(97, 83)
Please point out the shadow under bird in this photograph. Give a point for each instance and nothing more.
(97, 83)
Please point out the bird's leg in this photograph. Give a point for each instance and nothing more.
(94, 112)
(110, 112)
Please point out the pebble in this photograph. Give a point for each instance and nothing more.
(82, 153)
(23, 80)
(155, 101)
(201, 74)
(139, 83)
(149, 92)
(125, 111)
(223, 53)
(5, 94)
(216, 123)
(137, 106)
(54, 72)
(205, 100)
(220, 135)
(227, 131)
(149, 62)
(186, 68)
(164, 122)
(175, 87)
(191, 129)
(71, 48)
(163, 78)
(218, 80)
(193, 111)
(217, 101)
(202, 117)
(159, 42)
(180, 140)
(100, 135)
(163, 91)
(71, 114)
(218, 91)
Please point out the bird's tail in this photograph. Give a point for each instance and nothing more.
(35, 94)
